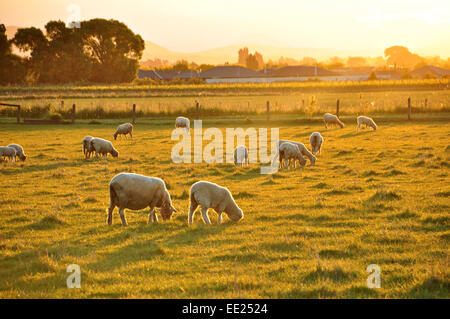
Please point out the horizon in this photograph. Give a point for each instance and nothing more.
(363, 26)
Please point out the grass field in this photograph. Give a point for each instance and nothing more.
(373, 198)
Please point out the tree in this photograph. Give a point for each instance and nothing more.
(259, 59)
(243, 56)
(356, 61)
(113, 50)
(252, 62)
(12, 66)
(400, 57)
(372, 76)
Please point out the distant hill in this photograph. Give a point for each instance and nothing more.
(230, 53)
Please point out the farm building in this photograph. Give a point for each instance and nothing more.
(166, 74)
(430, 70)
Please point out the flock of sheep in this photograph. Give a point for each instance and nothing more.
(135, 192)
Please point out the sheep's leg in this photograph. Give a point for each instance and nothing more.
(122, 216)
(110, 213)
(219, 220)
(205, 215)
(131, 135)
(192, 209)
(150, 216)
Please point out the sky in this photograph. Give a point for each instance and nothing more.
(195, 25)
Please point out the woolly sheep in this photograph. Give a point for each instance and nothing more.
(210, 195)
(182, 122)
(19, 151)
(124, 129)
(134, 191)
(87, 148)
(241, 156)
(332, 119)
(303, 150)
(103, 147)
(288, 152)
(367, 121)
(8, 152)
(316, 141)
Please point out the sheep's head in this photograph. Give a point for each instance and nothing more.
(115, 136)
(235, 214)
(23, 157)
(167, 210)
(302, 160)
(114, 153)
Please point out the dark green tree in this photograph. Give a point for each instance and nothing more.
(12, 68)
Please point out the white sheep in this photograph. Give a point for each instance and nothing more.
(87, 148)
(332, 119)
(103, 147)
(316, 141)
(241, 156)
(8, 152)
(210, 195)
(366, 121)
(19, 151)
(182, 122)
(303, 150)
(134, 191)
(290, 152)
(124, 129)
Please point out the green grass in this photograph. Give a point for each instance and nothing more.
(307, 233)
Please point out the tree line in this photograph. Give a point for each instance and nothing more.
(99, 51)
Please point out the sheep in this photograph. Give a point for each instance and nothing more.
(210, 195)
(241, 156)
(103, 147)
(288, 152)
(87, 149)
(8, 152)
(182, 122)
(316, 141)
(19, 151)
(134, 191)
(332, 119)
(124, 129)
(303, 150)
(367, 121)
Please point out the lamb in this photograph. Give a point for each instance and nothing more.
(316, 141)
(241, 156)
(8, 152)
(19, 151)
(332, 119)
(210, 195)
(103, 147)
(367, 121)
(134, 191)
(182, 122)
(124, 129)
(87, 149)
(288, 152)
(303, 150)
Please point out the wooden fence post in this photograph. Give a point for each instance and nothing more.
(134, 114)
(337, 108)
(426, 103)
(73, 113)
(18, 114)
(268, 111)
(197, 111)
(409, 109)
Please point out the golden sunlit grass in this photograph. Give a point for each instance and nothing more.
(373, 198)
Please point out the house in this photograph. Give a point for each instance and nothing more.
(167, 74)
(227, 72)
(430, 70)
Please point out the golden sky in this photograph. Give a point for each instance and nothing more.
(194, 25)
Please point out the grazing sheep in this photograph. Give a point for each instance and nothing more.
(124, 129)
(210, 195)
(133, 191)
(288, 152)
(103, 147)
(8, 152)
(332, 119)
(241, 156)
(182, 122)
(366, 121)
(316, 141)
(87, 149)
(303, 150)
(19, 151)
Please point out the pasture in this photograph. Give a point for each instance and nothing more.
(372, 198)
